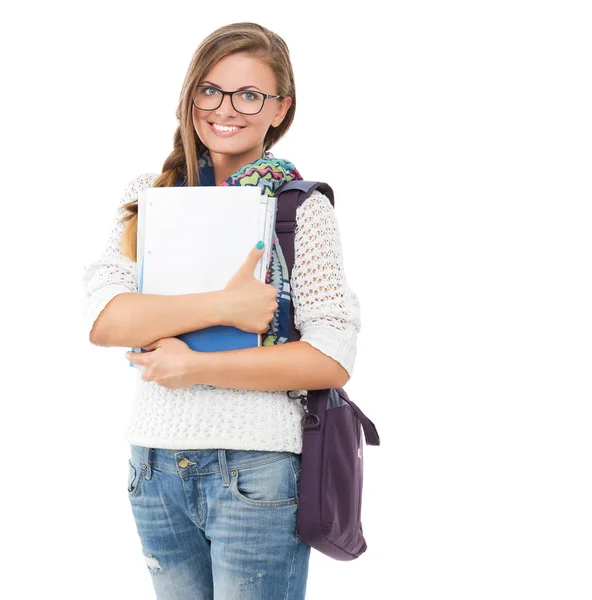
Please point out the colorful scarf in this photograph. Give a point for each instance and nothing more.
(268, 173)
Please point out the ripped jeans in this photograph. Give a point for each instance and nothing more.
(219, 524)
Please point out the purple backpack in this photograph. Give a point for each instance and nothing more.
(331, 474)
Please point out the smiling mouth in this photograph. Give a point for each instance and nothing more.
(219, 127)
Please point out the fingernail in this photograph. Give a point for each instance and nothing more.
(259, 245)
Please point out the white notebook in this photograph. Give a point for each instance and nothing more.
(193, 239)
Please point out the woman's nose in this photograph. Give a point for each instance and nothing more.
(226, 107)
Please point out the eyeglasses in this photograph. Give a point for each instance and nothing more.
(247, 102)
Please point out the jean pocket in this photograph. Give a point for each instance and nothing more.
(269, 485)
(133, 479)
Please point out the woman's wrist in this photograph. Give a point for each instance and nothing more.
(223, 308)
(199, 365)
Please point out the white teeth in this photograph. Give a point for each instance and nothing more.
(223, 128)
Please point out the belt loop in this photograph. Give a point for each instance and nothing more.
(149, 463)
(223, 467)
(146, 456)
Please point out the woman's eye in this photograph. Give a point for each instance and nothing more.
(208, 91)
(250, 96)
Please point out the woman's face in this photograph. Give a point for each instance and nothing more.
(229, 74)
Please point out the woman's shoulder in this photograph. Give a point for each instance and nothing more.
(134, 186)
(317, 201)
(315, 211)
(141, 182)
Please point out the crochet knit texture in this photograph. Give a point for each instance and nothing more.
(326, 313)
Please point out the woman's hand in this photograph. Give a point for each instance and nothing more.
(250, 304)
(169, 364)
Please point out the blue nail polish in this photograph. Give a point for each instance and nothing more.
(259, 245)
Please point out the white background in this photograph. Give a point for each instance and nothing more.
(457, 137)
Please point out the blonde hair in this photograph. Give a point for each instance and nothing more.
(182, 161)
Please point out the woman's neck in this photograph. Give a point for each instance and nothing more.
(227, 164)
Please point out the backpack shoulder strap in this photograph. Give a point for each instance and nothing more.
(289, 197)
(307, 187)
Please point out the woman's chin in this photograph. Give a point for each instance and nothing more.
(226, 146)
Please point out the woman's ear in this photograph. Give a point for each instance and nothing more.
(283, 108)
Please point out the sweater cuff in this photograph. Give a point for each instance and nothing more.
(338, 345)
(95, 304)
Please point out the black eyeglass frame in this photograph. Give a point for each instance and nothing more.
(224, 93)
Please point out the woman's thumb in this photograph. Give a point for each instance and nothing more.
(253, 258)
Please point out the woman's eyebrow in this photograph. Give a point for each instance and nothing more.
(245, 87)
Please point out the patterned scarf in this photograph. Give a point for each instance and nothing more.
(268, 173)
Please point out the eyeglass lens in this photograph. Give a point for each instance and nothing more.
(245, 101)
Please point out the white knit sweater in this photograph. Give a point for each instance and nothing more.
(326, 313)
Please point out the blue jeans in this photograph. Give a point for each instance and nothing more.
(219, 524)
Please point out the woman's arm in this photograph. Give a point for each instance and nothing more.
(135, 320)
(326, 312)
(326, 309)
(289, 366)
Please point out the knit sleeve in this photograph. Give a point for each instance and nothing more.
(326, 309)
(112, 273)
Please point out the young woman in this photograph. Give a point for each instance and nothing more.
(215, 441)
